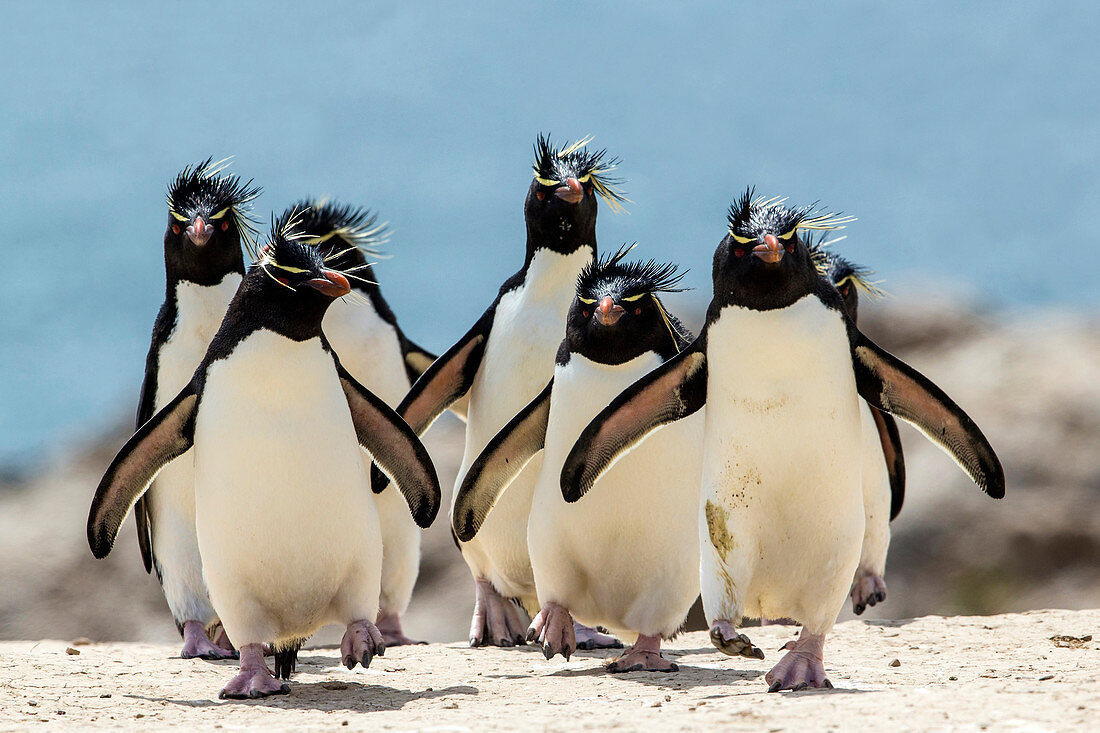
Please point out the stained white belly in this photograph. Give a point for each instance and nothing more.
(528, 327)
(286, 522)
(876, 497)
(782, 498)
(626, 555)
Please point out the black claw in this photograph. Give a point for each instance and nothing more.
(828, 684)
(505, 642)
(381, 649)
(473, 642)
(800, 686)
(520, 640)
(566, 652)
(873, 599)
(757, 653)
(859, 608)
(366, 658)
(776, 686)
(532, 634)
(881, 595)
(546, 651)
(586, 645)
(349, 662)
(674, 668)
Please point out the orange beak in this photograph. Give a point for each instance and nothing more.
(769, 251)
(571, 192)
(607, 313)
(333, 284)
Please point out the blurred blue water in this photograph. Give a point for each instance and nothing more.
(964, 137)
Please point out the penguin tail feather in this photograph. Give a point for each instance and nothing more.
(286, 657)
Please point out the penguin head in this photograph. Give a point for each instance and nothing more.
(344, 235)
(763, 262)
(616, 315)
(293, 272)
(846, 276)
(561, 202)
(208, 220)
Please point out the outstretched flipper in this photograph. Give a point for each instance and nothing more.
(895, 460)
(672, 391)
(499, 463)
(395, 449)
(165, 436)
(417, 361)
(446, 381)
(146, 405)
(891, 385)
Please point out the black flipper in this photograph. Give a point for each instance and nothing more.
(146, 403)
(893, 386)
(395, 449)
(895, 460)
(500, 462)
(446, 381)
(164, 437)
(670, 392)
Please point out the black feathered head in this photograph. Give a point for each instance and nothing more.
(344, 234)
(848, 277)
(554, 167)
(203, 203)
(617, 314)
(289, 260)
(560, 209)
(763, 262)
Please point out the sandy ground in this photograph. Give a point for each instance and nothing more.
(1003, 672)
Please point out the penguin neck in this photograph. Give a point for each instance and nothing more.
(569, 238)
(549, 273)
(201, 268)
(261, 303)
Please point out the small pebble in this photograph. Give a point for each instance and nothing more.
(140, 715)
(344, 723)
(953, 678)
(1044, 678)
(32, 703)
(895, 663)
(70, 651)
(105, 694)
(60, 712)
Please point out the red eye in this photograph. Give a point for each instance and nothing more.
(789, 248)
(225, 226)
(284, 281)
(175, 229)
(637, 311)
(586, 314)
(540, 195)
(738, 252)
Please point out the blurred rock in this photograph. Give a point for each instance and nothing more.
(1029, 379)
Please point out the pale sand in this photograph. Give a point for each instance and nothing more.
(967, 673)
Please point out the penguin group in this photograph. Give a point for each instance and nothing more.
(616, 465)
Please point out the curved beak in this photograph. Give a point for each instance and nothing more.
(571, 192)
(769, 251)
(333, 284)
(199, 232)
(608, 313)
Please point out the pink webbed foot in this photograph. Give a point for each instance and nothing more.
(725, 637)
(221, 639)
(197, 645)
(254, 679)
(361, 642)
(496, 620)
(867, 590)
(801, 666)
(643, 656)
(590, 638)
(552, 628)
(390, 626)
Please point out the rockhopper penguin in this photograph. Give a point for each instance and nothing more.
(506, 359)
(287, 525)
(377, 353)
(781, 368)
(626, 557)
(883, 460)
(208, 220)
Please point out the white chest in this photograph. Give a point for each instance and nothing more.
(528, 327)
(199, 313)
(782, 409)
(368, 348)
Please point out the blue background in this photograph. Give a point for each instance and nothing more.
(964, 137)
